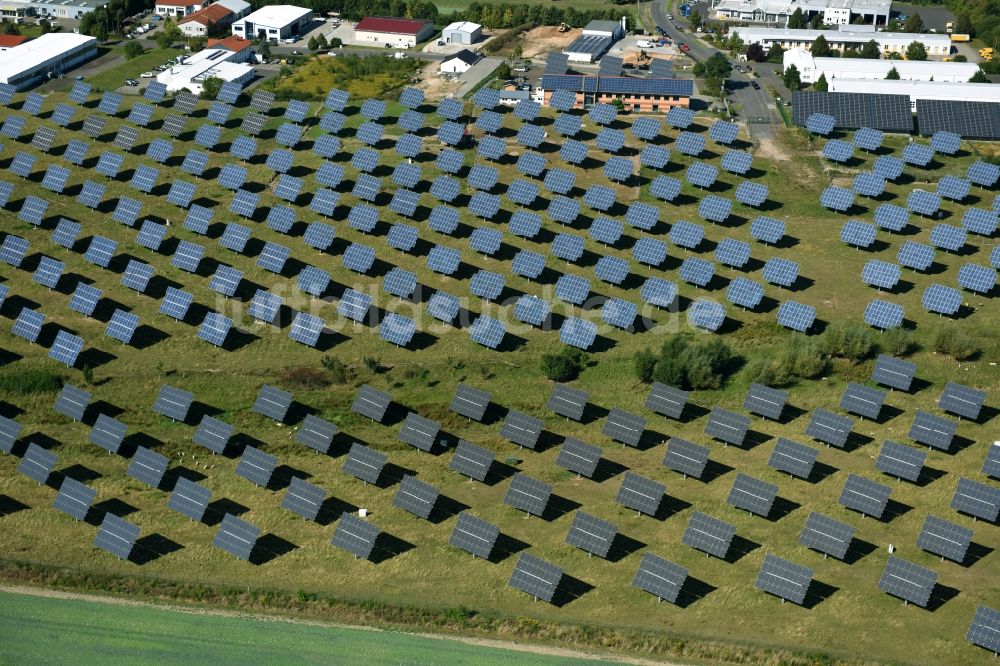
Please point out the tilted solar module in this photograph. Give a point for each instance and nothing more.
(578, 332)
(820, 123)
(868, 139)
(947, 237)
(727, 426)
(591, 534)
(765, 401)
(649, 251)
(868, 184)
(980, 279)
(13, 249)
(612, 270)
(715, 208)
(66, 348)
(976, 499)
(619, 313)
(991, 464)
(531, 310)
(521, 429)
(189, 499)
(944, 538)
(72, 402)
(28, 324)
(356, 536)
(474, 535)
(752, 495)
(316, 433)
(213, 434)
(793, 458)
(865, 496)
(10, 430)
(661, 578)
(371, 402)
(137, 275)
(74, 498)
(175, 303)
(828, 536)
(838, 151)
(487, 331)
(236, 536)
(883, 315)
(567, 247)
(535, 576)
(528, 494)
(23, 163)
(574, 152)
(893, 372)
(706, 314)
(962, 400)
(256, 466)
(364, 463)
(908, 581)
(416, 497)
(572, 289)
(117, 536)
(48, 272)
(784, 579)
(837, 198)
(122, 326)
(214, 328)
(37, 463)
(942, 300)
(862, 400)
(857, 233)
(796, 316)
(697, 271)
(709, 535)
(689, 143)
(732, 252)
(148, 466)
(679, 117)
(443, 306)
(471, 460)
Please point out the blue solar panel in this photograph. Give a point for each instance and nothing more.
(288, 135)
(883, 315)
(983, 174)
(980, 279)
(531, 310)
(229, 92)
(63, 114)
(449, 161)
(655, 157)
(13, 249)
(485, 330)
(488, 121)
(528, 264)
(181, 193)
(562, 100)
(55, 178)
(820, 123)
(980, 221)
(76, 151)
(288, 187)
(137, 275)
(946, 237)
(399, 283)
(573, 152)
(723, 132)
(195, 162)
(567, 247)
(367, 187)
(370, 133)
(235, 237)
(218, 112)
(522, 192)
(28, 324)
(559, 181)
(404, 202)
(701, 174)
(880, 274)
(779, 271)
(732, 252)
(226, 280)
(649, 251)
(572, 289)
(578, 332)
(85, 299)
(109, 103)
(214, 328)
(409, 145)
(324, 202)
(946, 143)
(410, 120)
(868, 139)
(888, 167)
(525, 224)
(359, 258)
(484, 205)
(891, 217)
(486, 98)
(568, 125)
(66, 233)
(411, 98)
(444, 260)
(838, 151)
(686, 234)
(365, 159)
(279, 161)
(796, 316)
(737, 161)
(745, 293)
(954, 188)
(658, 292)
(451, 133)
(486, 241)
(151, 235)
(232, 176)
(397, 329)
(160, 150)
(598, 197)
(264, 306)
(122, 326)
(914, 255)
(917, 154)
(243, 147)
(698, 272)
(618, 313)
(837, 198)
(187, 256)
(273, 257)
(79, 92)
(336, 99)
(329, 174)
(306, 329)
(767, 229)
(612, 270)
(610, 140)
(645, 128)
(109, 163)
(245, 203)
(941, 300)
(619, 169)
(706, 314)
(402, 237)
(563, 209)
(531, 164)
(127, 211)
(141, 114)
(327, 146)
(443, 219)
(48, 272)
(715, 209)
(752, 194)
(679, 117)
(175, 303)
(530, 135)
(605, 230)
(32, 210)
(443, 306)
(665, 188)
(354, 305)
(602, 114)
(487, 285)
(296, 111)
(869, 184)
(690, 143)
(12, 127)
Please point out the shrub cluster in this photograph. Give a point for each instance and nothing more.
(686, 364)
(565, 365)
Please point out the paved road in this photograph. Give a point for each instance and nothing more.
(756, 103)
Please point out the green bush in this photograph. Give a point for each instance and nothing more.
(26, 382)
(804, 358)
(564, 366)
(685, 364)
(645, 363)
(339, 373)
(849, 340)
(955, 343)
(769, 372)
(898, 342)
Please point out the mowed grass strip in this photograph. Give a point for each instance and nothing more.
(40, 630)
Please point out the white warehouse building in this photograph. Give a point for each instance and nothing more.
(936, 90)
(207, 64)
(51, 54)
(810, 68)
(834, 12)
(273, 22)
(462, 32)
(888, 42)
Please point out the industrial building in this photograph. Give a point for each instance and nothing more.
(595, 40)
(848, 37)
(10, 41)
(217, 15)
(460, 62)
(177, 8)
(462, 32)
(273, 23)
(641, 95)
(207, 64)
(393, 32)
(52, 54)
(242, 49)
(810, 68)
(16, 11)
(921, 90)
(834, 12)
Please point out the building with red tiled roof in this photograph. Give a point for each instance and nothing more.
(198, 23)
(241, 47)
(394, 32)
(10, 41)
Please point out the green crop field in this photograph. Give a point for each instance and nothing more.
(44, 631)
(846, 614)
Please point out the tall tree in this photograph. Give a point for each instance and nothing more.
(964, 25)
(797, 20)
(914, 23)
(775, 53)
(916, 51)
(756, 53)
(979, 77)
(870, 50)
(821, 85)
(792, 78)
(893, 75)
(821, 48)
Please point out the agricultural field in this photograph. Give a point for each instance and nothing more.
(719, 605)
(95, 632)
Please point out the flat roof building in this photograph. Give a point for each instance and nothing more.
(641, 95)
(888, 42)
(396, 32)
(207, 64)
(52, 54)
(834, 12)
(810, 68)
(273, 22)
(917, 90)
(71, 9)
(10, 41)
(462, 32)
(178, 7)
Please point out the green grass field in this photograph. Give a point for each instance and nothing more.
(44, 631)
(427, 571)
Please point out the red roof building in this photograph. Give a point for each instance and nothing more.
(10, 41)
(200, 21)
(233, 43)
(393, 31)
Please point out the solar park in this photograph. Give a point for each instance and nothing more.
(223, 453)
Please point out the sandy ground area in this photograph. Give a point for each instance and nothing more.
(434, 86)
(539, 41)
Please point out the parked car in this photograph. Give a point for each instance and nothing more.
(684, 47)
(146, 75)
(670, 17)
(755, 85)
(296, 53)
(131, 82)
